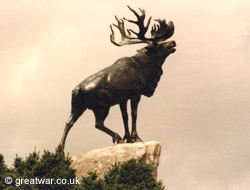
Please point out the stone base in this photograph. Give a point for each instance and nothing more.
(100, 160)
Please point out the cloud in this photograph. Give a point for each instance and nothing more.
(23, 71)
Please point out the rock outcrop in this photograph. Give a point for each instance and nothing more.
(100, 160)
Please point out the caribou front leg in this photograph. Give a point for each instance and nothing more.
(134, 105)
(123, 107)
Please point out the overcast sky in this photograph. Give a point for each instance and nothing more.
(200, 111)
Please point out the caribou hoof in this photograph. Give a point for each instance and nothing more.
(117, 139)
(127, 139)
(136, 138)
(60, 148)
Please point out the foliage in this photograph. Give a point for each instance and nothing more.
(37, 168)
(4, 172)
(130, 175)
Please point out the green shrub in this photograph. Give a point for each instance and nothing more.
(130, 175)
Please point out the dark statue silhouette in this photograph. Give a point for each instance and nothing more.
(127, 79)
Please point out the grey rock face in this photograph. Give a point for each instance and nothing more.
(100, 160)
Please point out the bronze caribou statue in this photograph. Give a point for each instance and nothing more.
(127, 79)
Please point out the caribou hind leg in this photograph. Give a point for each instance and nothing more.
(72, 119)
(100, 116)
(77, 108)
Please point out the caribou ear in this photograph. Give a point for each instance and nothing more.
(149, 49)
(143, 50)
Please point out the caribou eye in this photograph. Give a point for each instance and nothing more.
(160, 46)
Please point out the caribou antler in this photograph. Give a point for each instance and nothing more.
(140, 22)
(162, 31)
(159, 32)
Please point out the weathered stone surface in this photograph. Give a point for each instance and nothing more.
(100, 160)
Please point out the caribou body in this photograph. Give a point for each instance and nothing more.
(127, 79)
